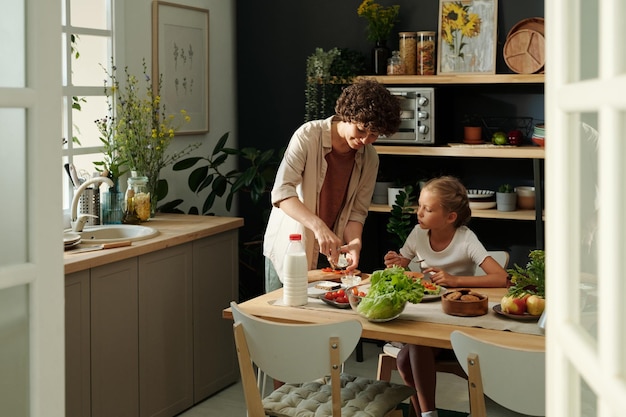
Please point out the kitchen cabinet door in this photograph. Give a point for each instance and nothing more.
(216, 284)
(77, 345)
(114, 344)
(165, 332)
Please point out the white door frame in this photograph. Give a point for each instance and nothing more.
(587, 346)
(41, 273)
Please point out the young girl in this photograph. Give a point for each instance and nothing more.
(450, 252)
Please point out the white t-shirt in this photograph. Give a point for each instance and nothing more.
(460, 257)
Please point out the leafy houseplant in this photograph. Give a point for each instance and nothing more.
(400, 224)
(254, 179)
(327, 73)
(472, 128)
(257, 170)
(506, 198)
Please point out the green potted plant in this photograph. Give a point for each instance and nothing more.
(472, 128)
(506, 198)
(251, 180)
(400, 224)
(327, 73)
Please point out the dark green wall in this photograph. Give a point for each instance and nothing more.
(274, 39)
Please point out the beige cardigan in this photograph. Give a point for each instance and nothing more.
(301, 173)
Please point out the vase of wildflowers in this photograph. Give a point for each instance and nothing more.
(142, 130)
(112, 167)
(380, 22)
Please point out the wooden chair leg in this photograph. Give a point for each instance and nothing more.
(475, 386)
(386, 364)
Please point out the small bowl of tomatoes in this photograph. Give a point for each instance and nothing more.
(355, 294)
(337, 298)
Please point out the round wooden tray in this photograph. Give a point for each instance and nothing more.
(524, 51)
(533, 23)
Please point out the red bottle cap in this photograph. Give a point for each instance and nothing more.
(295, 236)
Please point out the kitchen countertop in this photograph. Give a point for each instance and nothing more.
(174, 229)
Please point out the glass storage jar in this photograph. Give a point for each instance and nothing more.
(137, 201)
(425, 53)
(395, 66)
(408, 42)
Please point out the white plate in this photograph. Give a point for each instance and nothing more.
(432, 297)
(480, 193)
(70, 238)
(482, 205)
(71, 245)
(316, 292)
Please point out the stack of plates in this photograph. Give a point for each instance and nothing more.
(70, 239)
(481, 199)
(539, 135)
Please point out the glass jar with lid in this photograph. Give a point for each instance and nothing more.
(395, 66)
(408, 42)
(425, 53)
(137, 201)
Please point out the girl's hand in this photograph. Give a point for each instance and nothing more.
(440, 277)
(393, 258)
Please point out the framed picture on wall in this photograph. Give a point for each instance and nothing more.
(180, 62)
(467, 36)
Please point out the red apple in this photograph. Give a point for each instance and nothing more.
(514, 305)
(515, 137)
(535, 305)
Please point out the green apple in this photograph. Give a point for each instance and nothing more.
(499, 138)
(535, 305)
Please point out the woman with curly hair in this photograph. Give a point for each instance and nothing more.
(325, 182)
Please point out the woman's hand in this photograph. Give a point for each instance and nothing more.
(392, 258)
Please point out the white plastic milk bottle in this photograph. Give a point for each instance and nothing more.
(295, 280)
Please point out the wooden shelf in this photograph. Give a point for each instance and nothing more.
(478, 151)
(459, 79)
(483, 214)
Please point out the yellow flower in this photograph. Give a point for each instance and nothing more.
(380, 19)
(457, 22)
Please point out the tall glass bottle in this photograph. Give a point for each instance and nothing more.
(295, 273)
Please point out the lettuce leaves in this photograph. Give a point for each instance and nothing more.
(390, 290)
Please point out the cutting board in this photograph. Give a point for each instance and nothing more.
(319, 275)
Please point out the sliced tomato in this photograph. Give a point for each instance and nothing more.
(327, 269)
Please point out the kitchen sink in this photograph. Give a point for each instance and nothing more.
(116, 233)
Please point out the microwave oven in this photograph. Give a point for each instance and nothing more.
(417, 117)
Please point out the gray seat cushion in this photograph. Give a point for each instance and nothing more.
(361, 397)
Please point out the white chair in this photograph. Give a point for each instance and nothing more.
(387, 359)
(513, 378)
(304, 355)
(500, 256)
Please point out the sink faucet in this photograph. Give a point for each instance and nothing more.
(76, 222)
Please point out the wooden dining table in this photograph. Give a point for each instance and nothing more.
(400, 330)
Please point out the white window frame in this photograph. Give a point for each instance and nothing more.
(70, 150)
